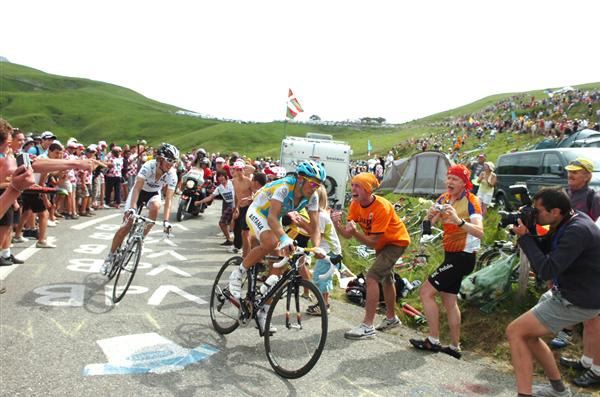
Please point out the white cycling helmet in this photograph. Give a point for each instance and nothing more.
(168, 152)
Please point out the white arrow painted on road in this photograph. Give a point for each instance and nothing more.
(169, 242)
(162, 291)
(167, 252)
(162, 268)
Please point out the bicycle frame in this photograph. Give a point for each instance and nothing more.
(257, 300)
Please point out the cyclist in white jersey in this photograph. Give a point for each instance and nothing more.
(153, 176)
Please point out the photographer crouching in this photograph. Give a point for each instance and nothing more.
(570, 260)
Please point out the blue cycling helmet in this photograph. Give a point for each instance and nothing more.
(312, 170)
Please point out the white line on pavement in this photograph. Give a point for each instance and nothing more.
(92, 222)
(23, 255)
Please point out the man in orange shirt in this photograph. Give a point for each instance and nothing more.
(381, 229)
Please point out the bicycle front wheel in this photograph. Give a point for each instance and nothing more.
(297, 339)
(126, 270)
(224, 308)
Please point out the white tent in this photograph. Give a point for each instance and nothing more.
(393, 173)
(424, 173)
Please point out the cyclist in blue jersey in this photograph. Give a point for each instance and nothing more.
(271, 203)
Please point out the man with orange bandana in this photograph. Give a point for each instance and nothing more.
(460, 212)
(381, 229)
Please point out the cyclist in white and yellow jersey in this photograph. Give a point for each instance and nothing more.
(271, 203)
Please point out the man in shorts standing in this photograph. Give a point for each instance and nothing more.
(381, 229)
(460, 212)
(243, 190)
(571, 262)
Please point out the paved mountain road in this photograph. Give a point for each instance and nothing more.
(61, 336)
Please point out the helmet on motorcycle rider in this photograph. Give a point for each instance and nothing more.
(312, 169)
(200, 153)
(279, 172)
(168, 152)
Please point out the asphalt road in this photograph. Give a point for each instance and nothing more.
(60, 335)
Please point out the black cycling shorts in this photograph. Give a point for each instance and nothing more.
(143, 199)
(448, 276)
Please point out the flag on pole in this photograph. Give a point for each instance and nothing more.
(290, 112)
(369, 147)
(295, 102)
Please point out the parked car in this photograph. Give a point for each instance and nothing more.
(568, 141)
(588, 142)
(538, 168)
(583, 134)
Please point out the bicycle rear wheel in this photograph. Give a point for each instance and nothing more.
(224, 308)
(295, 347)
(126, 270)
(486, 258)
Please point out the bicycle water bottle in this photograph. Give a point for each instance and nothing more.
(269, 282)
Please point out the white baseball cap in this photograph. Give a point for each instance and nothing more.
(47, 135)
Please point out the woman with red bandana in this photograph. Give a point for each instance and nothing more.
(460, 213)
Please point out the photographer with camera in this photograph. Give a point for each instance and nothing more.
(569, 257)
(460, 212)
(584, 199)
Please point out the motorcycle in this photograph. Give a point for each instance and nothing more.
(194, 189)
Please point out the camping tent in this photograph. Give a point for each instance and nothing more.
(423, 173)
(393, 173)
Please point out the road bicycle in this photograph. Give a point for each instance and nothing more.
(293, 343)
(127, 257)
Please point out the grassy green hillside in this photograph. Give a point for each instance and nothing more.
(90, 110)
(477, 105)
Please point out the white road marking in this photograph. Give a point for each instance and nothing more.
(92, 222)
(162, 268)
(23, 255)
(167, 252)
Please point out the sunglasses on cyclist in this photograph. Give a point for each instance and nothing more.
(313, 183)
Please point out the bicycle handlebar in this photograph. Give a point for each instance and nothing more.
(143, 218)
(298, 250)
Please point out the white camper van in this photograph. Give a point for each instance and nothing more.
(334, 155)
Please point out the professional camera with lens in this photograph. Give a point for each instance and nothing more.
(526, 213)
